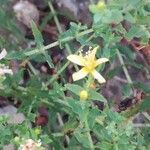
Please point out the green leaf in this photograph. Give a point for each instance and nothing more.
(72, 32)
(129, 17)
(16, 55)
(93, 114)
(37, 35)
(97, 17)
(70, 125)
(45, 20)
(79, 108)
(145, 104)
(144, 87)
(138, 31)
(76, 89)
(108, 17)
(113, 72)
(39, 42)
(126, 90)
(113, 16)
(48, 59)
(127, 52)
(97, 96)
(104, 145)
(83, 139)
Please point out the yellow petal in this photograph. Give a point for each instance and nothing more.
(80, 74)
(3, 54)
(76, 59)
(93, 53)
(98, 76)
(101, 61)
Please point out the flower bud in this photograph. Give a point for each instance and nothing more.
(83, 95)
(37, 131)
(101, 5)
(17, 139)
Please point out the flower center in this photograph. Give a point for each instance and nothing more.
(90, 65)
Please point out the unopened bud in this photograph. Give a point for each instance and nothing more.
(101, 5)
(37, 131)
(83, 95)
(17, 139)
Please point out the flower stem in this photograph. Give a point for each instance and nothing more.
(124, 68)
(89, 81)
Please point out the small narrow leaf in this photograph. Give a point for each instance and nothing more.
(37, 35)
(39, 42)
(48, 60)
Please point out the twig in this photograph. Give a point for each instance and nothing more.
(139, 125)
(67, 39)
(62, 124)
(146, 115)
(34, 71)
(124, 68)
(120, 79)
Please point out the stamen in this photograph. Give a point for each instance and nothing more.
(90, 47)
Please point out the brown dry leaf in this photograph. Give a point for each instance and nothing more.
(145, 50)
(136, 45)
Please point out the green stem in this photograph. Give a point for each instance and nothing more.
(54, 44)
(59, 72)
(89, 81)
(34, 71)
(62, 124)
(124, 68)
(60, 30)
(55, 17)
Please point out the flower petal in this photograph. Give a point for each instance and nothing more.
(80, 74)
(3, 53)
(93, 53)
(98, 76)
(76, 59)
(101, 61)
(5, 71)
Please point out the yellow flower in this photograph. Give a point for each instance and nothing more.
(83, 95)
(89, 63)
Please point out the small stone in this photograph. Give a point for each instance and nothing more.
(26, 12)
(8, 147)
